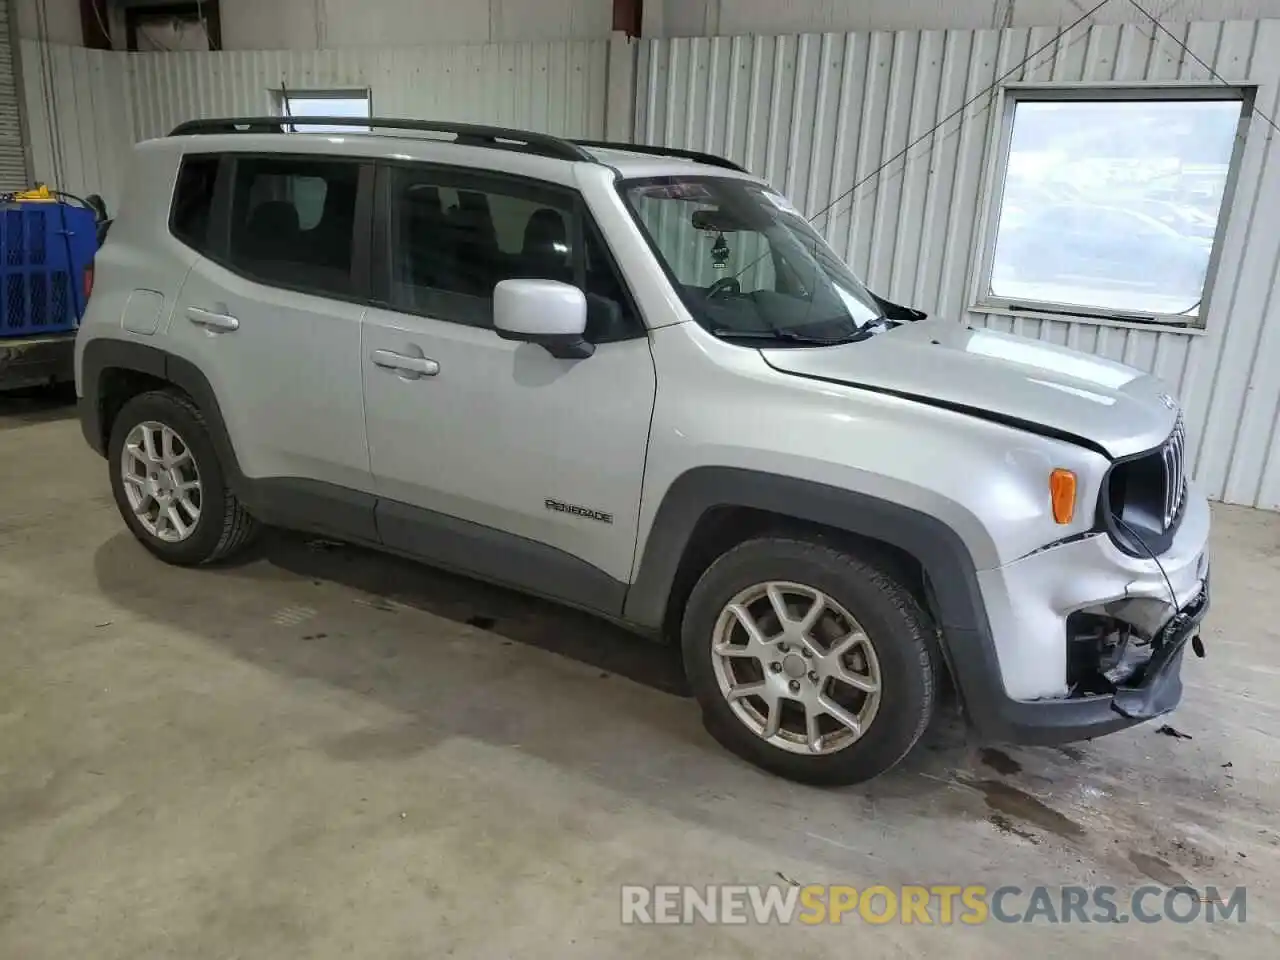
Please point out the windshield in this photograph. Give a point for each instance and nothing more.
(747, 265)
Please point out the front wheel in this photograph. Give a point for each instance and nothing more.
(809, 661)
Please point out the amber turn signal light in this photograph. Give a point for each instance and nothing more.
(1062, 494)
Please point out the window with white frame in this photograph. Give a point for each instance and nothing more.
(1109, 202)
(326, 103)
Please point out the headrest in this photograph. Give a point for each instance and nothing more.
(545, 234)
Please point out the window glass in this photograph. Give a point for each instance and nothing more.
(327, 104)
(308, 196)
(454, 243)
(292, 221)
(700, 257)
(1112, 204)
(193, 199)
(747, 265)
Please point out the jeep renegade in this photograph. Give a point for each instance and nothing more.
(638, 381)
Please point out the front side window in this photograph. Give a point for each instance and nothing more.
(1108, 203)
(293, 221)
(455, 237)
(747, 265)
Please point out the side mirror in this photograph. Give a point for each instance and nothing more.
(896, 311)
(546, 312)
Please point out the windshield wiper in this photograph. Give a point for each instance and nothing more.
(790, 336)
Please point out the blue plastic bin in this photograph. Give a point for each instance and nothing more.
(45, 248)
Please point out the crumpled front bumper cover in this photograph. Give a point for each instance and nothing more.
(1160, 686)
(1157, 691)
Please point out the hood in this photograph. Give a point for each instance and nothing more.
(1026, 383)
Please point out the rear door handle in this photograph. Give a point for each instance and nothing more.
(211, 320)
(389, 360)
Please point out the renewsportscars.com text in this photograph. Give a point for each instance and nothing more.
(937, 904)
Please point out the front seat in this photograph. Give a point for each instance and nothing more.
(545, 252)
(475, 244)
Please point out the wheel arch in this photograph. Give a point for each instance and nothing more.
(114, 371)
(708, 509)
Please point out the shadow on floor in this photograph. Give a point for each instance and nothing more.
(22, 408)
(482, 683)
(515, 616)
(469, 682)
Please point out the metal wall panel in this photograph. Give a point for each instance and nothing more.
(820, 115)
(322, 24)
(13, 152)
(557, 87)
(689, 18)
(84, 113)
(104, 101)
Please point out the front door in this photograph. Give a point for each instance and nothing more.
(490, 456)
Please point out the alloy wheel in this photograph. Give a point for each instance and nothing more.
(161, 481)
(796, 668)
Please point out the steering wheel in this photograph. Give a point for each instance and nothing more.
(725, 285)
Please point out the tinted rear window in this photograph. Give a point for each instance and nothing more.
(193, 201)
(293, 220)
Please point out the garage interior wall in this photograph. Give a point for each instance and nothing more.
(313, 24)
(555, 86)
(106, 101)
(13, 147)
(815, 113)
(699, 18)
(318, 24)
(90, 123)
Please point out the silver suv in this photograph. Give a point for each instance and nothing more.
(638, 382)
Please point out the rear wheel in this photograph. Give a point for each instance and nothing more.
(809, 661)
(169, 485)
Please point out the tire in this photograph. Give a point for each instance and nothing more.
(898, 631)
(222, 526)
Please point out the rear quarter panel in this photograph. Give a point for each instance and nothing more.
(139, 255)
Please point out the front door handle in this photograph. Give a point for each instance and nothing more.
(211, 320)
(389, 360)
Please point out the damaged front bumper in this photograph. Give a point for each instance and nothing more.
(1084, 639)
(1156, 686)
(1153, 689)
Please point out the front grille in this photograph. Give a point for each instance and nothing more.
(1144, 496)
(1173, 456)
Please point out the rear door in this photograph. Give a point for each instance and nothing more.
(271, 313)
(495, 457)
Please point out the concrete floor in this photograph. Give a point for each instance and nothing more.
(323, 752)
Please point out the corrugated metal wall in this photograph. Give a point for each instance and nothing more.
(558, 87)
(13, 149)
(817, 113)
(814, 113)
(90, 121)
(106, 101)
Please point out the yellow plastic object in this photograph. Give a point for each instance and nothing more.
(1062, 494)
(36, 193)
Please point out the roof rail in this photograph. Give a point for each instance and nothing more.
(708, 158)
(465, 134)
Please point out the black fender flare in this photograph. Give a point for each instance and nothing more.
(957, 603)
(103, 355)
(938, 548)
